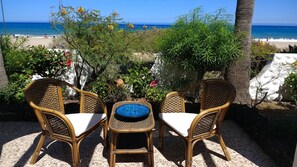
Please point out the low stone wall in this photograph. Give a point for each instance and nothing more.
(271, 79)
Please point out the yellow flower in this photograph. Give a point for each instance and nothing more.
(130, 25)
(80, 10)
(110, 26)
(64, 12)
(115, 14)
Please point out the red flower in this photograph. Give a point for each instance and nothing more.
(68, 62)
(154, 83)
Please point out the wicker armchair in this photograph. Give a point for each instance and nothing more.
(216, 96)
(45, 97)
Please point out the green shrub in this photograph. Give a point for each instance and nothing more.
(260, 54)
(98, 40)
(146, 40)
(22, 62)
(155, 94)
(291, 83)
(200, 43)
(109, 91)
(35, 60)
(7, 45)
(12, 94)
(138, 80)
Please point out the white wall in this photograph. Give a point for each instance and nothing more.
(272, 76)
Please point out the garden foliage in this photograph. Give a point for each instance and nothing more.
(136, 83)
(22, 62)
(145, 40)
(108, 90)
(98, 40)
(291, 83)
(260, 53)
(141, 84)
(201, 43)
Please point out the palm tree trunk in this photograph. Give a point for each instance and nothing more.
(239, 71)
(3, 75)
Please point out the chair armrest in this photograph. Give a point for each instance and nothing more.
(54, 123)
(91, 103)
(206, 121)
(173, 102)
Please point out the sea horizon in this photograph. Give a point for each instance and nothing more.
(259, 31)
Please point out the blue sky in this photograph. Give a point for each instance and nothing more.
(151, 11)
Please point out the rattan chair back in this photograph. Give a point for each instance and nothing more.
(173, 102)
(216, 92)
(46, 93)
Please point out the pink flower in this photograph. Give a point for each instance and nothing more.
(154, 83)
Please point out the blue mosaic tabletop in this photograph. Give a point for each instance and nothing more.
(132, 110)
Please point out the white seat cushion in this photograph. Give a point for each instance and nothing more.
(180, 122)
(84, 121)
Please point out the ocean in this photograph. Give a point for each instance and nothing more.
(40, 29)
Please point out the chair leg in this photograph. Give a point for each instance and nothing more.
(161, 132)
(188, 154)
(224, 148)
(105, 131)
(75, 154)
(38, 148)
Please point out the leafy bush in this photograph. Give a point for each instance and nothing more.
(21, 63)
(291, 83)
(145, 40)
(200, 43)
(155, 94)
(12, 94)
(260, 54)
(7, 45)
(138, 80)
(109, 91)
(98, 40)
(35, 60)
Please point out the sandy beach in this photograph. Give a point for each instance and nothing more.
(282, 44)
(279, 43)
(37, 40)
